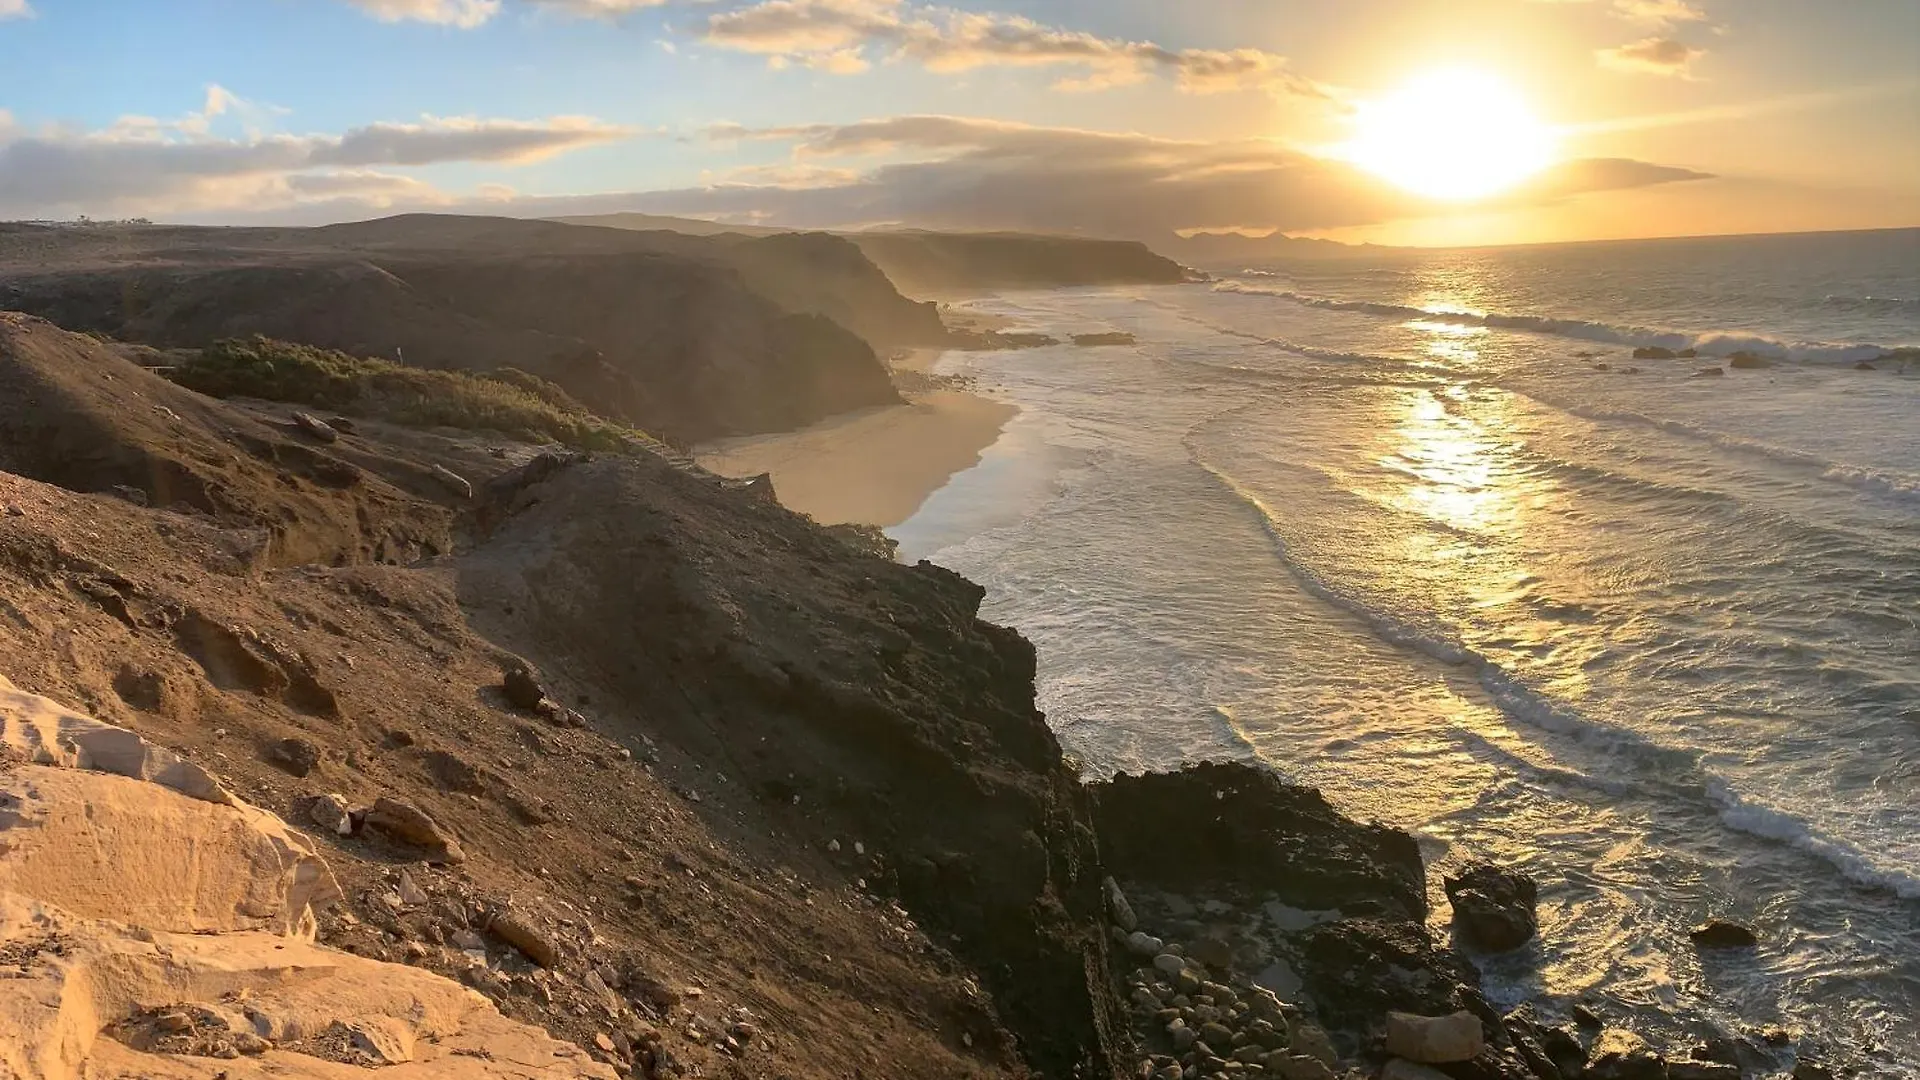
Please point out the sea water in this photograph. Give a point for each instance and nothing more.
(1417, 529)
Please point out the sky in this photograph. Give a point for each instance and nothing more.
(1102, 117)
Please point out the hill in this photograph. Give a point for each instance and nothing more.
(686, 337)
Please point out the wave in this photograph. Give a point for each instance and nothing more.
(1772, 824)
(1714, 344)
(1873, 304)
(1898, 486)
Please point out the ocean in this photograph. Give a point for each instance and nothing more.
(1417, 529)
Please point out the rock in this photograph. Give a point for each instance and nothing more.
(1865, 365)
(330, 812)
(1721, 934)
(1493, 908)
(1564, 1050)
(409, 824)
(1402, 1069)
(1435, 1040)
(452, 481)
(297, 757)
(411, 894)
(1213, 952)
(342, 424)
(1170, 965)
(1297, 1067)
(1311, 1040)
(1117, 337)
(1118, 909)
(1747, 361)
(1686, 354)
(521, 933)
(1140, 943)
(522, 688)
(1654, 352)
(315, 427)
(1701, 1070)
(1708, 373)
(1619, 1054)
(1586, 1017)
(1811, 1070)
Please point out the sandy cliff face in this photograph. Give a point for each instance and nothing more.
(152, 922)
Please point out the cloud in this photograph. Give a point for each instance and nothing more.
(1654, 55)
(15, 9)
(1661, 13)
(439, 139)
(141, 163)
(987, 174)
(467, 14)
(842, 35)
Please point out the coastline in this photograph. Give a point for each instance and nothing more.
(874, 466)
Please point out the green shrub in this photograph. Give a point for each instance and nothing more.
(512, 402)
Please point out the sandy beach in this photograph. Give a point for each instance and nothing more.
(875, 466)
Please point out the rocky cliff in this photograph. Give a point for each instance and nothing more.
(690, 337)
(932, 263)
(673, 781)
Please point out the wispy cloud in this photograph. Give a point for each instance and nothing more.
(468, 14)
(15, 9)
(1654, 55)
(846, 36)
(139, 162)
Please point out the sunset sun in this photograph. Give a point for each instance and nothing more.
(1455, 134)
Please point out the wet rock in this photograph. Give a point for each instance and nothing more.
(1619, 1054)
(1243, 824)
(1722, 934)
(1654, 352)
(1297, 1067)
(297, 757)
(1434, 1040)
(1811, 1070)
(1865, 365)
(1140, 943)
(1708, 373)
(1564, 1049)
(1747, 361)
(315, 427)
(1702, 1070)
(408, 824)
(1493, 908)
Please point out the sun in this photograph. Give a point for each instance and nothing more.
(1456, 134)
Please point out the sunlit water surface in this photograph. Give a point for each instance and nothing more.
(1413, 532)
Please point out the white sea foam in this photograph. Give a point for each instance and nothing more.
(1775, 824)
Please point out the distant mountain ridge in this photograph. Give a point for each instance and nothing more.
(928, 262)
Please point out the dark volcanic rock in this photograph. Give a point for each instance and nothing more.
(1654, 352)
(1241, 824)
(1721, 934)
(1361, 969)
(1746, 361)
(1493, 908)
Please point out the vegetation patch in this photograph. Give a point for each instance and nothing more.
(512, 402)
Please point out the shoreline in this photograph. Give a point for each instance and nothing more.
(873, 466)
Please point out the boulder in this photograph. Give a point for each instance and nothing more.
(1434, 1040)
(1865, 365)
(522, 688)
(1402, 1069)
(1619, 1054)
(1493, 908)
(1118, 909)
(330, 812)
(1654, 352)
(1722, 934)
(315, 427)
(410, 825)
(297, 757)
(1747, 361)
(522, 933)
(1708, 373)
